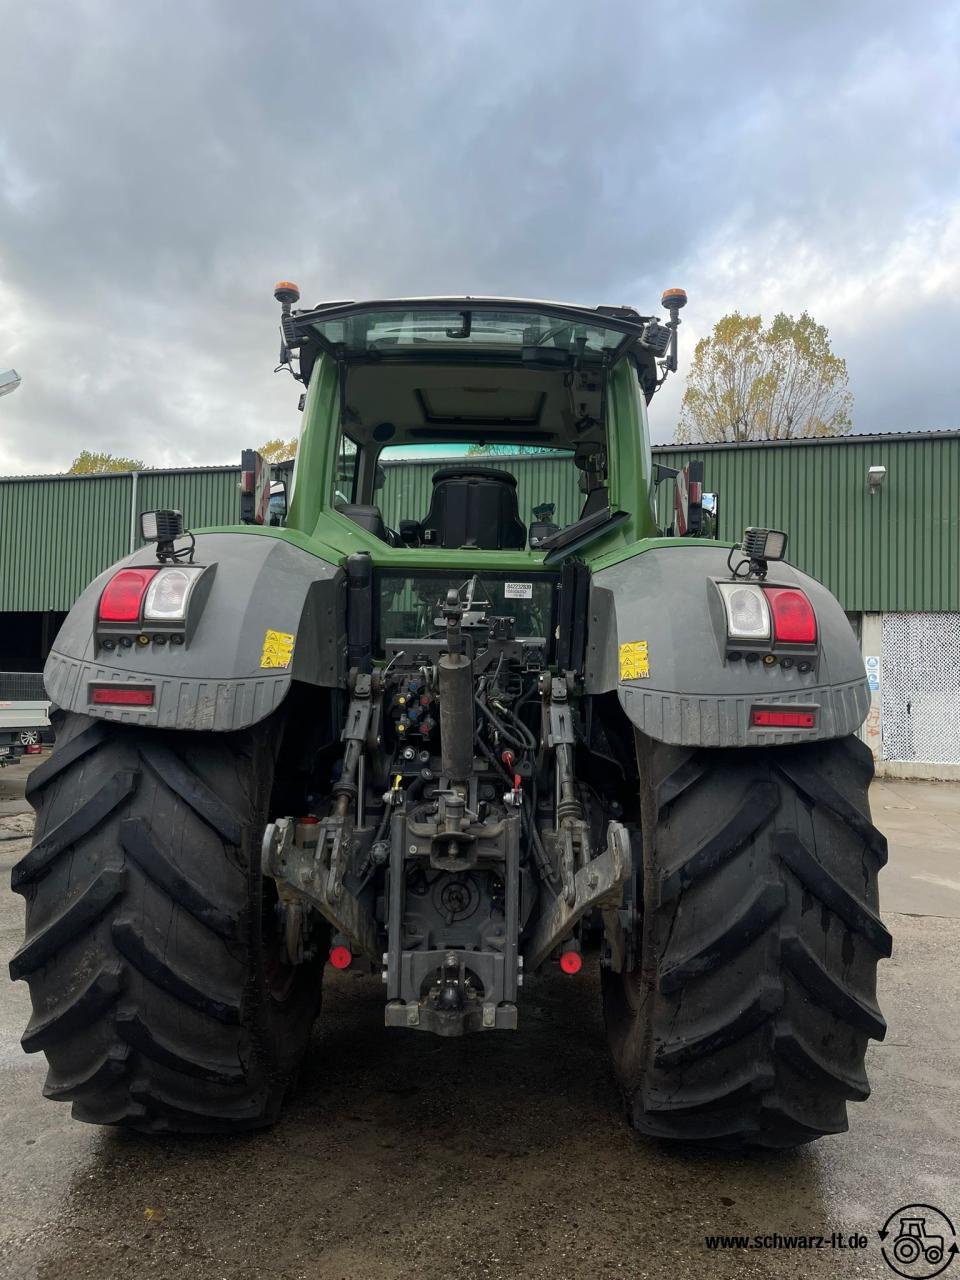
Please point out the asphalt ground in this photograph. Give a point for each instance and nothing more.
(501, 1155)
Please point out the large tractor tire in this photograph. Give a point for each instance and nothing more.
(746, 1020)
(161, 995)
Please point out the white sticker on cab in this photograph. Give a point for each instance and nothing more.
(518, 591)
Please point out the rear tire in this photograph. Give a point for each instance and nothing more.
(160, 995)
(747, 1019)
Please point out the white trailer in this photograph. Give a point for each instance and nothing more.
(24, 713)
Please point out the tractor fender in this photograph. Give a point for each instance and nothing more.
(270, 613)
(657, 634)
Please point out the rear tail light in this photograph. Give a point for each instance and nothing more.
(123, 595)
(778, 718)
(794, 621)
(571, 962)
(169, 594)
(748, 616)
(121, 695)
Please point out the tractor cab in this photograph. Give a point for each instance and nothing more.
(417, 411)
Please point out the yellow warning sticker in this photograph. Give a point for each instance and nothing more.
(634, 661)
(277, 649)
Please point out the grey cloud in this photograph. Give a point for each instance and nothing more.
(162, 163)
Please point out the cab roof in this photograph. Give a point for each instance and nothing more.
(464, 325)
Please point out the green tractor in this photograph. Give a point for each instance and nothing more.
(449, 708)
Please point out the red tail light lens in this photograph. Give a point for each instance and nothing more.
(794, 621)
(341, 957)
(767, 718)
(123, 595)
(112, 695)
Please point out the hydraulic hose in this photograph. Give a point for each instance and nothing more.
(523, 741)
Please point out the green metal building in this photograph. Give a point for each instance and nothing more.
(889, 549)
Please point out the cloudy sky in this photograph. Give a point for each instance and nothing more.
(163, 163)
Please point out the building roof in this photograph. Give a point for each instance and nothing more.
(857, 438)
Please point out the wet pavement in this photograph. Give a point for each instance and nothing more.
(500, 1155)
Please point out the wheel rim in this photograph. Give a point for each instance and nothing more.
(906, 1251)
(29, 737)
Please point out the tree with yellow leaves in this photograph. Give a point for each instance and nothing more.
(278, 450)
(98, 464)
(778, 383)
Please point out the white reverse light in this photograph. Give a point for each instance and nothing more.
(169, 593)
(748, 615)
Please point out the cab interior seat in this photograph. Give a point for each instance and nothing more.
(474, 506)
(369, 517)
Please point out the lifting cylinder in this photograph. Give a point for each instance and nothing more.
(457, 713)
(456, 716)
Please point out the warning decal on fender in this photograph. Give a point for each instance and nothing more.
(277, 649)
(634, 661)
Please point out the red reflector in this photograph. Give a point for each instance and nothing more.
(761, 718)
(794, 621)
(122, 695)
(341, 957)
(123, 595)
(571, 962)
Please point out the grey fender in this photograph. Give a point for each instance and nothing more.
(221, 678)
(691, 695)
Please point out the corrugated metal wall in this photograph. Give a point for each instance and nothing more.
(898, 551)
(58, 532)
(895, 551)
(55, 535)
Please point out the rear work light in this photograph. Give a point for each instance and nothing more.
(123, 595)
(794, 621)
(121, 695)
(764, 544)
(770, 718)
